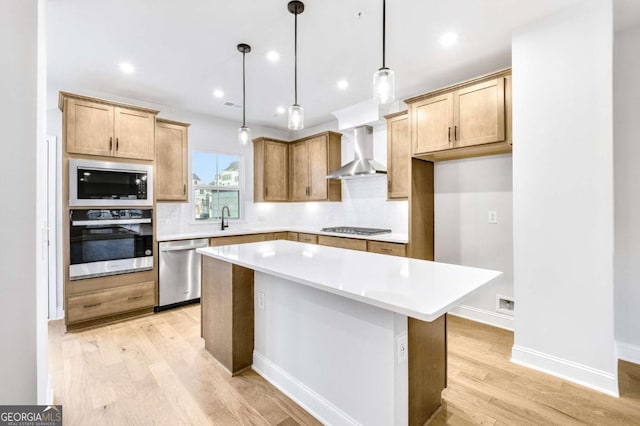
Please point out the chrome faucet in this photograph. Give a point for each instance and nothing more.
(224, 226)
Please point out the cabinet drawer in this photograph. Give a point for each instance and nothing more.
(280, 235)
(392, 249)
(347, 243)
(109, 302)
(236, 239)
(292, 236)
(308, 238)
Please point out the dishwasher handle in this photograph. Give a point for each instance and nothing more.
(183, 248)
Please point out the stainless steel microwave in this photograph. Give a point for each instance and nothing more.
(106, 183)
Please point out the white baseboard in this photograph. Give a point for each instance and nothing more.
(50, 395)
(628, 352)
(495, 319)
(583, 375)
(315, 404)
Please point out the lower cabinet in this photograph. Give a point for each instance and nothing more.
(102, 303)
(308, 238)
(347, 243)
(292, 236)
(237, 239)
(393, 249)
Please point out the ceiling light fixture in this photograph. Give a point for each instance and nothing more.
(244, 133)
(127, 68)
(218, 93)
(273, 56)
(342, 84)
(448, 39)
(384, 84)
(296, 113)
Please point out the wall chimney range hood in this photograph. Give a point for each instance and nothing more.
(363, 165)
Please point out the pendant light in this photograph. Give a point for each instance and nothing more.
(384, 82)
(296, 113)
(244, 133)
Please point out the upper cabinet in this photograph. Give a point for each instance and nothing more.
(311, 159)
(97, 127)
(171, 181)
(466, 120)
(398, 155)
(271, 170)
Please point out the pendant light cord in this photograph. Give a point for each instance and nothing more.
(384, 32)
(295, 58)
(244, 103)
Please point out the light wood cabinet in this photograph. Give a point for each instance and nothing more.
(107, 129)
(311, 159)
(98, 304)
(270, 170)
(237, 239)
(393, 249)
(292, 236)
(466, 120)
(308, 238)
(398, 155)
(171, 182)
(346, 243)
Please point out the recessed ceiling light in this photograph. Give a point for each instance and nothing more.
(127, 68)
(280, 110)
(218, 93)
(448, 39)
(273, 56)
(342, 84)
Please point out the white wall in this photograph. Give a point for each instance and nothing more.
(563, 195)
(627, 192)
(465, 191)
(18, 41)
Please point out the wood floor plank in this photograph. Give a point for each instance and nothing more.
(154, 370)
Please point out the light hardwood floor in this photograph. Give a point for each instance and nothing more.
(154, 370)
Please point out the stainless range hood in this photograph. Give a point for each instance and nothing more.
(363, 165)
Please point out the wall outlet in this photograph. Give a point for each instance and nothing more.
(403, 348)
(505, 304)
(261, 300)
(493, 216)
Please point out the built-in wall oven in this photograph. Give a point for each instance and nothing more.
(106, 183)
(110, 241)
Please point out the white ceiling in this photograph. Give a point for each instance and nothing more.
(183, 50)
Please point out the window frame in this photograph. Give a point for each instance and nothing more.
(240, 187)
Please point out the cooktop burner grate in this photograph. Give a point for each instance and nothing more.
(356, 231)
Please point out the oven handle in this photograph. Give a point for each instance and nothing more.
(110, 222)
(183, 248)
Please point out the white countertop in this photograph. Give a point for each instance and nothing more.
(394, 237)
(417, 288)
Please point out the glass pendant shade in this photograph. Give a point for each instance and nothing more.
(296, 117)
(244, 135)
(384, 86)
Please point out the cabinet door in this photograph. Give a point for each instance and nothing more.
(171, 162)
(89, 127)
(398, 157)
(318, 155)
(134, 132)
(479, 113)
(299, 171)
(276, 166)
(432, 124)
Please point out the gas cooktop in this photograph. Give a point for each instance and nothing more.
(356, 231)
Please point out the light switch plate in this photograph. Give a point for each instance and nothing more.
(493, 216)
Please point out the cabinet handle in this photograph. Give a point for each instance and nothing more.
(93, 305)
(184, 189)
(389, 185)
(110, 143)
(135, 297)
(455, 133)
(117, 144)
(449, 133)
(266, 191)
(385, 249)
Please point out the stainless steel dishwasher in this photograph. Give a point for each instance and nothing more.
(179, 281)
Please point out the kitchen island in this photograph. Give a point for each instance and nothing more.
(353, 337)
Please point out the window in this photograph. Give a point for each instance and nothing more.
(216, 183)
